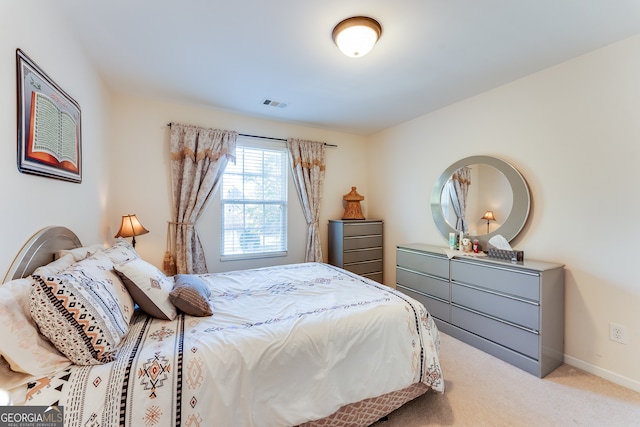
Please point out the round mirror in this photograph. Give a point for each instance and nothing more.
(490, 193)
(488, 201)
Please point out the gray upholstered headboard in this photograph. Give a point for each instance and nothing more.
(40, 250)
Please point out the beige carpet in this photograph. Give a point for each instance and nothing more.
(484, 391)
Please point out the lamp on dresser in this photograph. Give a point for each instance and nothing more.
(131, 227)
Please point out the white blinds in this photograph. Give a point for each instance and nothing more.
(254, 202)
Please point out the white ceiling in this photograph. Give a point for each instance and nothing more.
(231, 54)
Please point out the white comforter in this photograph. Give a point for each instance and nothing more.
(285, 345)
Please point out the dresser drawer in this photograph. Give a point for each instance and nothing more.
(423, 283)
(362, 242)
(374, 276)
(364, 267)
(517, 339)
(357, 255)
(430, 264)
(362, 229)
(435, 307)
(519, 312)
(512, 282)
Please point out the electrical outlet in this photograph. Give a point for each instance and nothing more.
(618, 333)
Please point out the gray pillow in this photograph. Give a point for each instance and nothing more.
(191, 295)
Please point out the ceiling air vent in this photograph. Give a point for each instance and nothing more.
(272, 103)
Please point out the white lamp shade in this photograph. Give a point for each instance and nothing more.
(355, 37)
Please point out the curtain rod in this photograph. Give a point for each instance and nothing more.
(269, 137)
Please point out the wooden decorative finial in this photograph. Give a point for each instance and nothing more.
(353, 210)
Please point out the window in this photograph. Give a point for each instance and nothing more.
(253, 200)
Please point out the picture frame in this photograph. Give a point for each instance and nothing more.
(49, 125)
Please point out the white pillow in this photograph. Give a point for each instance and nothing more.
(80, 253)
(21, 345)
(148, 287)
(56, 266)
(120, 251)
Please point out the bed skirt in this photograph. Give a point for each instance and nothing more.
(368, 411)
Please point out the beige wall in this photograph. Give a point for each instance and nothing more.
(573, 132)
(30, 202)
(141, 147)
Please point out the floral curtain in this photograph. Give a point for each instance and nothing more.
(198, 159)
(308, 165)
(461, 180)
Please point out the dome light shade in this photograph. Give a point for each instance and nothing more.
(356, 36)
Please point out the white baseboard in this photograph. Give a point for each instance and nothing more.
(603, 373)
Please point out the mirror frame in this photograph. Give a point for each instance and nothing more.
(521, 199)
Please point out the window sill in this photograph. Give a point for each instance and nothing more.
(239, 257)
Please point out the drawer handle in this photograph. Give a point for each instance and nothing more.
(369, 261)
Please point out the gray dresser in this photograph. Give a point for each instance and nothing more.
(514, 311)
(356, 245)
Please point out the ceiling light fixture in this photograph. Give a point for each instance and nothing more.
(356, 36)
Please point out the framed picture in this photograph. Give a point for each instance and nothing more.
(49, 131)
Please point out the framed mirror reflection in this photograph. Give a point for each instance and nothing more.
(482, 196)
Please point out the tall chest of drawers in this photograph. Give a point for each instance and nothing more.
(514, 311)
(356, 245)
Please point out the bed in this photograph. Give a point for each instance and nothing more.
(303, 344)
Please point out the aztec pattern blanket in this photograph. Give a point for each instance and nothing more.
(285, 345)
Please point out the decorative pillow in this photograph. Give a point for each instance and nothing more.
(121, 251)
(80, 253)
(56, 266)
(191, 295)
(148, 287)
(84, 311)
(21, 345)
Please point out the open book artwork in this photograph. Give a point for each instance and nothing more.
(49, 138)
(52, 134)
